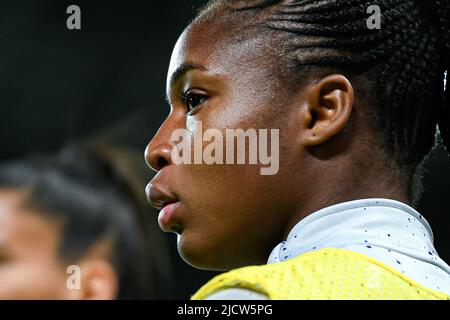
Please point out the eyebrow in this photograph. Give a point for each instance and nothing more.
(181, 70)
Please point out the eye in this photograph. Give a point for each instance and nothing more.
(193, 99)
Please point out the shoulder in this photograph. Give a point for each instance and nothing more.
(266, 279)
(323, 274)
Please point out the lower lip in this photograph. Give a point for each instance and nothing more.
(165, 217)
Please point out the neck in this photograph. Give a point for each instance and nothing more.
(361, 180)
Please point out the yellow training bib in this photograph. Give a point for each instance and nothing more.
(323, 274)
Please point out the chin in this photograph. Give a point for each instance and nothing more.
(197, 253)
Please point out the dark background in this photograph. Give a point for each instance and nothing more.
(108, 80)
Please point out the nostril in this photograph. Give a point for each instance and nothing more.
(162, 163)
(157, 157)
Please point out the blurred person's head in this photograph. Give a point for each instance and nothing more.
(73, 208)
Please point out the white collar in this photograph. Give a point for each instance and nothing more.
(378, 222)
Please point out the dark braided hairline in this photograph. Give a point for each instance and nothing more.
(403, 33)
(407, 47)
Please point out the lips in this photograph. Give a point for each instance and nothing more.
(166, 203)
(157, 198)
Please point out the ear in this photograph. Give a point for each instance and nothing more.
(327, 110)
(99, 281)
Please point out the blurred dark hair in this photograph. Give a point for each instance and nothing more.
(88, 189)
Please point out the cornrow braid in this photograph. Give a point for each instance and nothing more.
(410, 54)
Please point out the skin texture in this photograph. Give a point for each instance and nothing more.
(30, 267)
(229, 215)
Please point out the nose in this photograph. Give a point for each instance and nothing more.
(158, 151)
(158, 157)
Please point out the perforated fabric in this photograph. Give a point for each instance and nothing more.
(324, 274)
(386, 230)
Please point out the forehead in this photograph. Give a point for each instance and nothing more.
(21, 228)
(219, 47)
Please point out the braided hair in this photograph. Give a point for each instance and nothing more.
(408, 57)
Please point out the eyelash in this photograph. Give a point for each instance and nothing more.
(189, 95)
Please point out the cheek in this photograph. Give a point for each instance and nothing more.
(31, 280)
(228, 207)
(219, 190)
(232, 207)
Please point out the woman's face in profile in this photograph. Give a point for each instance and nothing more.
(225, 215)
(29, 268)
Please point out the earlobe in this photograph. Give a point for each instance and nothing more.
(327, 110)
(99, 281)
